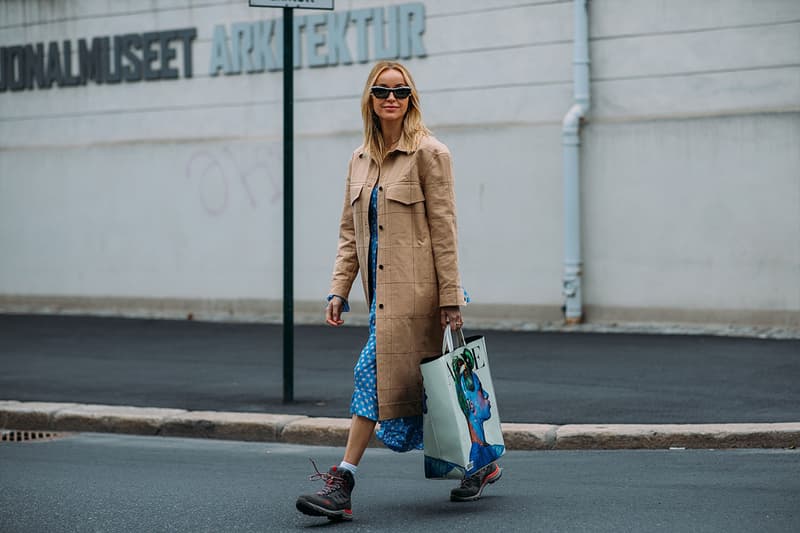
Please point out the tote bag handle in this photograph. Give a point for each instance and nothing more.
(447, 341)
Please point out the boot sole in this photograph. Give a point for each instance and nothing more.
(311, 509)
(489, 481)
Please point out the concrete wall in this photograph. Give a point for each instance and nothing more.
(692, 161)
(137, 194)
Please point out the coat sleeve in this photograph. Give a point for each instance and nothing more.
(438, 187)
(345, 267)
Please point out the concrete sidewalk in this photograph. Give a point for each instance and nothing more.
(555, 390)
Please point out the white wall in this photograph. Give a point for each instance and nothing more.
(173, 189)
(692, 160)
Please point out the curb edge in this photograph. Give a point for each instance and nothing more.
(301, 429)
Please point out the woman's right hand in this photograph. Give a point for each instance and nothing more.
(333, 312)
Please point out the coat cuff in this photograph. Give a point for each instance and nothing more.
(451, 298)
(345, 304)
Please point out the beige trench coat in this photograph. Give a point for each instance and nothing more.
(417, 261)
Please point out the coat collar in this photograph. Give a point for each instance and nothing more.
(402, 146)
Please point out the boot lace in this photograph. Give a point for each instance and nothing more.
(332, 483)
(477, 478)
(471, 481)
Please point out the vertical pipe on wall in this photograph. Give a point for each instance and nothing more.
(571, 141)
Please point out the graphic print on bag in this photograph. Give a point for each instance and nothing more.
(475, 404)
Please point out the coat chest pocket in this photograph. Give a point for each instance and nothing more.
(355, 192)
(406, 193)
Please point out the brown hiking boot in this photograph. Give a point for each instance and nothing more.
(472, 487)
(333, 500)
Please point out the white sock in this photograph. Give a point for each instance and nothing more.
(348, 466)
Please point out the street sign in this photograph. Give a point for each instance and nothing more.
(294, 4)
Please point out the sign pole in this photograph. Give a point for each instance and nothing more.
(288, 205)
(288, 7)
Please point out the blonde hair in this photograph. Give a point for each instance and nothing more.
(413, 128)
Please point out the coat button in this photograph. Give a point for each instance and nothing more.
(380, 267)
(380, 187)
(380, 227)
(380, 306)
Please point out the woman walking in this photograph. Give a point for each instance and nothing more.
(398, 228)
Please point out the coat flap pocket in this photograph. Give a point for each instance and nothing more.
(355, 192)
(408, 192)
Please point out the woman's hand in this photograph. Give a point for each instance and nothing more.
(333, 312)
(451, 315)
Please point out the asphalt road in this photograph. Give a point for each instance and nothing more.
(557, 378)
(112, 483)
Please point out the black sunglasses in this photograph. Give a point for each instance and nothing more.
(401, 93)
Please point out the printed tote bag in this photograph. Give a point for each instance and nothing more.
(461, 424)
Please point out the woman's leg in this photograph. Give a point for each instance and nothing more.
(361, 431)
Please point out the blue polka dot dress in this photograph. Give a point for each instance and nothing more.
(398, 434)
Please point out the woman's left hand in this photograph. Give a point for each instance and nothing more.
(451, 315)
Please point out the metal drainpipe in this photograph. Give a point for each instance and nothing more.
(571, 141)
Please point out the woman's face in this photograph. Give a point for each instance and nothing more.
(478, 405)
(392, 108)
(482, 407)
